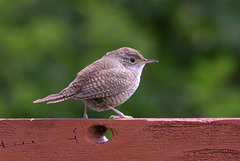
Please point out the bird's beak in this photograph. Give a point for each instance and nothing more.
(150, 61)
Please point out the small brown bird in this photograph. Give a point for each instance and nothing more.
(106, 83)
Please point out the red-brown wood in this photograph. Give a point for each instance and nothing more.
(133, 139)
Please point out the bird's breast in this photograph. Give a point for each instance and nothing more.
(122, 97)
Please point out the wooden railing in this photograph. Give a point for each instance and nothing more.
(132, 139)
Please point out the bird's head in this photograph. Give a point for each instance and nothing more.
(129, 58)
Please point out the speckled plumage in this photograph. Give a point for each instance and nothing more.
(106, 83)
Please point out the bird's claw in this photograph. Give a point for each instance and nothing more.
(85, 116)
(119, 117)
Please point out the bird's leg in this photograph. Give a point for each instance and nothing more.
(121, 115)
(85, 112)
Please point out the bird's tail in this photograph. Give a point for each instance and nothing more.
(53, 98)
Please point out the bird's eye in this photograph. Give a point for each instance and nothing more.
(132, 60)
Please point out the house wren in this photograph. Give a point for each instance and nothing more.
(106, 83)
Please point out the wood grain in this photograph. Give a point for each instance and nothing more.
(133, 139)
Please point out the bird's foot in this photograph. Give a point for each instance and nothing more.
(119, 117)
(85, 116)
(85, 112)
(120, 114)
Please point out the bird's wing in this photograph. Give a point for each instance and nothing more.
(85, 76)
(104, 83)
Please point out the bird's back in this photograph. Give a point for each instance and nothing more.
(89, 74)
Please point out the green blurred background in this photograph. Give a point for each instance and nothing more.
(44, 43)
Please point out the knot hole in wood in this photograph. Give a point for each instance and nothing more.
(100, 134)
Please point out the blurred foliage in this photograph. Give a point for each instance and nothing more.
(43, 44)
